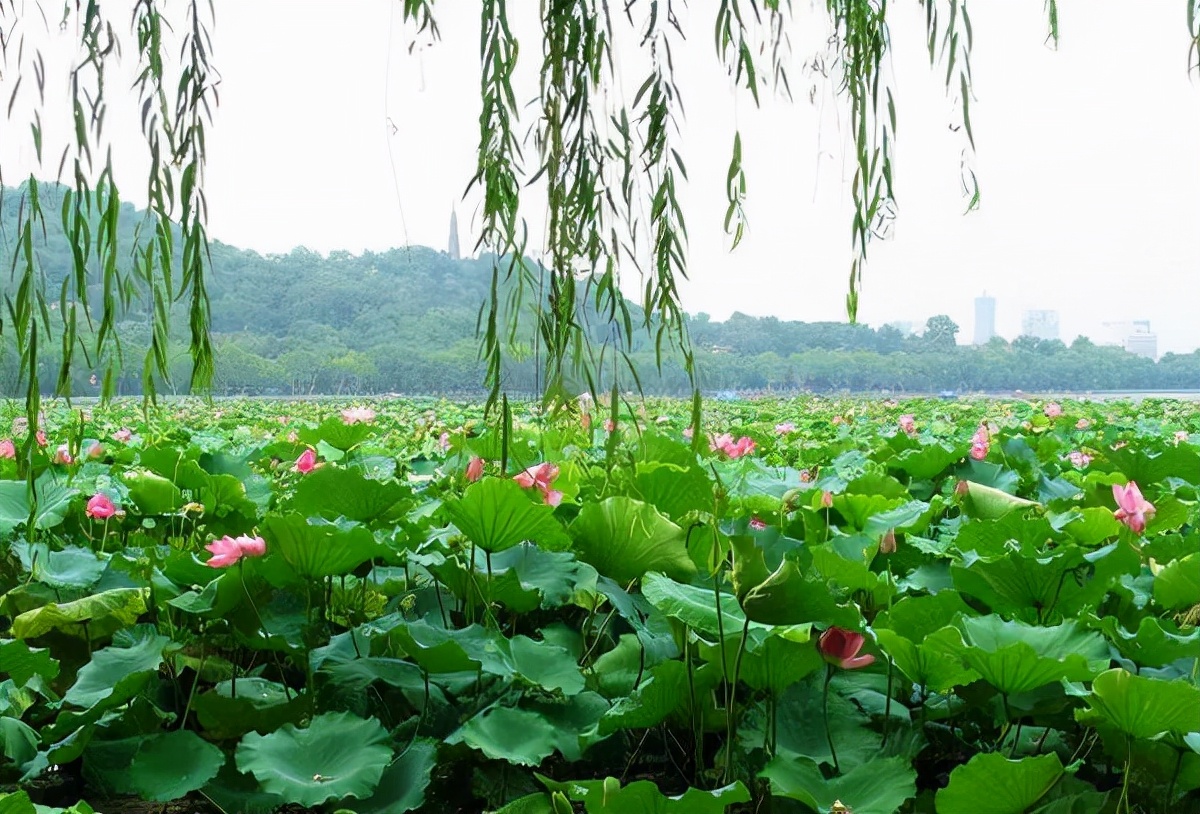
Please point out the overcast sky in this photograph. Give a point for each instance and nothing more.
(332, 133)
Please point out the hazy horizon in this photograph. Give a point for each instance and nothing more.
(347, 139)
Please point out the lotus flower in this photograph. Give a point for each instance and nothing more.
(887, 543)
(96, 450)
(1132, 508)
(100, 507)
(826, 499)
(785, 428)
(1053, 410)
(41, 438)
(1082, 424)
(840, 647)
(358, 415)
(541, 477)
(306, 463)
(228, 550)
(805, 476)
(62, 455)
(124, 435)
(756, 524)
(734, 449)
(8, 449)
(687, 433)
(981, 442)
(1079, 459)
(908, 424)
(1181, 436)
(444, 441)
(475, 469)
(609, 425)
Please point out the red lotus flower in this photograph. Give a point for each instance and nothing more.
(100, 506)
(1132, 508)
(756, 524)
(475, 469)
(228, 550)
(541, 477)
(840, 647)
(306, 463)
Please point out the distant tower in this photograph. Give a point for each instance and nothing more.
(453, 250)
(1041, 324)
(985, 319)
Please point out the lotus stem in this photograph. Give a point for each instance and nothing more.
(825, 711)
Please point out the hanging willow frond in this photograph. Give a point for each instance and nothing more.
(176, 106)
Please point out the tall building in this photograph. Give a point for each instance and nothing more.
(1041, 324)
(985, 319)
(453, 249)
(1135, 336)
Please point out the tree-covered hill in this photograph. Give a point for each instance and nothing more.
(404, 320)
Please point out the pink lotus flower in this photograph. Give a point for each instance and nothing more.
(358, 415)
(96, 450)
(62, 455)
(124, 435)
(475, 469)
(805, 476)
(1079, 459)
(1181, 436)
(687, 433)
(41, 438)
(1132, 508)
(785, 428)
(1082, 424)
(609, 425)
(585, 420)
(306, 463)
(756, 524)
(100, 506)
(827, 499)
(444, 441)
(840, 648)
(908, 424)
(541, 477)
(734, 449)
(887, 543)
(837, 419)
(979, 450)
(1053, 410)
(293, 437)
(228, 550)
(8, 449)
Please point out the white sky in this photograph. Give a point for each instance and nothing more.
(1087, 156)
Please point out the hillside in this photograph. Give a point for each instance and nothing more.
(404, 321)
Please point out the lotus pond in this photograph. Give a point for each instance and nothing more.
(814, 605)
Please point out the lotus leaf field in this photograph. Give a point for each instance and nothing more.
(814, 605)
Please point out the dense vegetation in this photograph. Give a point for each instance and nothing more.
(404, 321)
(819, 606)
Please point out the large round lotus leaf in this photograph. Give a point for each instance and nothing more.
(624, 539)
(335, 492)
(992, 784)
(319, 550)
(520, 736)
(402, 787)
(1015, 657)
(497, 514)
(878, 787)
(1142, 707)
(151, 493)
(338, 755)
(172, 764)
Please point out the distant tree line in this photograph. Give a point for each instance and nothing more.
(404, 321)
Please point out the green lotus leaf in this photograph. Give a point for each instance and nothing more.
(319, 550)
(990, 503)
(333, 492)
(1142, 707)
(518, 736)
(1156, 643)
(608, 796)
(118, 671)
(1014, 657)
(624, 539)
(674, 490)
(170, 765)
(695, 607)
(337, 434)
(989, 783)
(152, 493)
(497, 514)
(402, 786)
(786, 597)
(72, 567)
(338, 755)
(52, 496)
(23, 662)
(102, 613)
(879, 787)
(666, 689)
(1177, 586)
